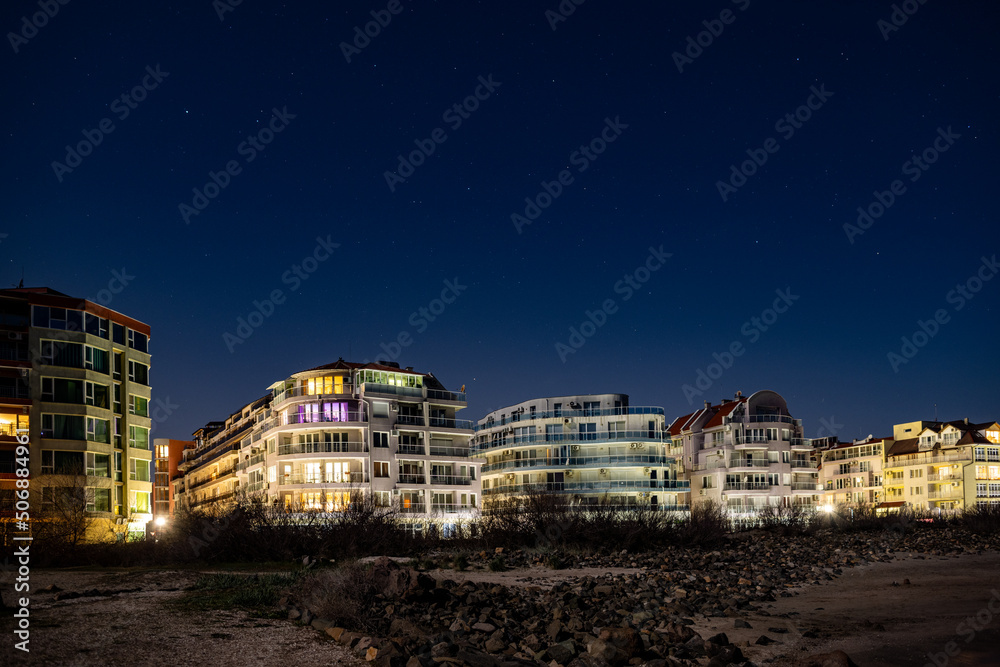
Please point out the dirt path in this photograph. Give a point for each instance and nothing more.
(146, 628)
(877, 619)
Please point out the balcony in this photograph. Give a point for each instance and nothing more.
(939, 477)
(374, 388)
(410, 420)
(746, 486)
(15, 391)
(436, 395)
(460, 452)
(322, 478)
(418, 450)
(802, 463)
(451, 508)
(410, 507)
(900, 462)
(447, 422)
(256, 487)
(749, 463)
(782, 419)
(577, 487)
(581, 461)
(323, 448)
(946, 492)
(451, 480)
(594, 438)
(573, 414)
(806, 486)
(412, 479)
(297, 392)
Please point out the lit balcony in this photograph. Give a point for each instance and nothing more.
(322, 448)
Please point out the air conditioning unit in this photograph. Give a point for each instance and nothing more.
(15, 335)
(603, 471)
(575, 448)
(394, 407)
(645, 471)
(395, 434)
(567, 421)
(510, 475)
(569, 473)
(702, 492)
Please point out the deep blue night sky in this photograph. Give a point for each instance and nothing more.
(323, 175)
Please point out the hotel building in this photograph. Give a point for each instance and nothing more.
(746, 453)
(851, 472)
(75, 375)
(588, 449)
(322, 434)
(943, 465)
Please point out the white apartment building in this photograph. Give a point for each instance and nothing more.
(746, 453)
(587, 449)
(851, 472)
(326, 433)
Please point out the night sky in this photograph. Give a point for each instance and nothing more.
(623, 133)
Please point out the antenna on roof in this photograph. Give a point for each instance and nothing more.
(935, 412)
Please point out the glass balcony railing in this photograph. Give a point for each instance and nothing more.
(579, 461)
(568, 414)
(323, 448)
(568, 438)
(578, 487)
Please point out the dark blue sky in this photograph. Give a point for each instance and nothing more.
(551, 92)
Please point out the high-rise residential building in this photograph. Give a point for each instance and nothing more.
(747, 453)
(851, 472)
(168, 455)
(76, 374)
(943, 466)
(588, 449)
(323, 434)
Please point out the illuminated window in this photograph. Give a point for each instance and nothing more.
(381, 468)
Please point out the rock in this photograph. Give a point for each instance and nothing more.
(720, 639)
(779, 631)
(320, 624)
(335, 633)
(604, 650)
(495, 645)
(563, 652)
(764, 640)
(484, 627)
(294, 614)
(832, 659)
(740, 623)
(397, 581)
(553, 630)
(51, 588)
(371, 653)
(626, 640)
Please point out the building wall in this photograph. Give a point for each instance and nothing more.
(851, 474)
(86, 376)
(324, 434)
(748, 453)
(586, 448)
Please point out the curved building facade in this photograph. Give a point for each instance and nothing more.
(588, 449)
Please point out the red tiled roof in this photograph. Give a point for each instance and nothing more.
(894, 503)
(907, 446)
(724, 411)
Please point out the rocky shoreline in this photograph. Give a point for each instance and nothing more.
(640, 617)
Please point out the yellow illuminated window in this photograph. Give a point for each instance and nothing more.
(339, 384)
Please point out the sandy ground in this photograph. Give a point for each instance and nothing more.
(877, 619)
(868, 612)
(144, 628)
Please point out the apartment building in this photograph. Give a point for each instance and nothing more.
(168, 454)
(943, 466)
(75, 375)
(851, 472)
(322, 434)
(588, 449)
(747, 452)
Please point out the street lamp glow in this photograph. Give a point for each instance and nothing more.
(160, 521)
(828, 508)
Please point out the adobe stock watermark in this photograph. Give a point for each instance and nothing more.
(122, 106)
(787, 125)
(30, 26)
(223, 7)
(454, 116)
(752, 329)
(563, 11)
(627, 286)
(581, 158)
(362, 38)
(420, 320)
(713, 29)
(294, 276)
(968, 628)
(248, 149)
(901, 13)
(959, 296)
(914, 168)
(829, 428)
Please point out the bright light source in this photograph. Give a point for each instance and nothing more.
(827, 508)
(159, 521)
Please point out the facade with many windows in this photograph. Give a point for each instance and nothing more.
(747, 453)
(851, 472)
(943, 465)
(324, 434)
(76, 375)
(587, 449)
